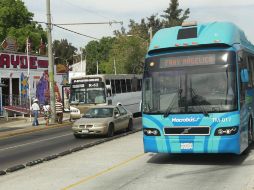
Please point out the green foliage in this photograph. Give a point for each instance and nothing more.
(98, 51)
(129, 53)
(173, 15)
(32, 31)
(63, 52)
(16, 21)
(127, 50)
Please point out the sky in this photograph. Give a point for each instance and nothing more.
(239, 12)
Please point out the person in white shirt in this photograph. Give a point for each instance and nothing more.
(35, 109)
(46, 109)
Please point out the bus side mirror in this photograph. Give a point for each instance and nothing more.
(244, 76)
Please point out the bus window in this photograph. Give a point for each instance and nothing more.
(107, 82)
(128, 84)
(251, 70)
(118, 86)
(139, 84)
(113, 86)
(134, 84)
(243, 85)
(123, 85)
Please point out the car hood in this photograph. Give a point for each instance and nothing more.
(92, 120)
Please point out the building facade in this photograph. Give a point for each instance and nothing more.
(14, 69)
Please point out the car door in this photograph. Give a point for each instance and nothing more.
(117, 119)
(124, 117)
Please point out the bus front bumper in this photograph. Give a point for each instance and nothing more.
(197, 144)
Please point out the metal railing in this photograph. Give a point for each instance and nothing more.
(14, 100)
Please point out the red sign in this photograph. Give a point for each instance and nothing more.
(15, 61)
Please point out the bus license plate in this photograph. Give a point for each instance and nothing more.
(85, 131)
(186, 146)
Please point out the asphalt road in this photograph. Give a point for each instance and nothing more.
(38, 145)
(121, 165)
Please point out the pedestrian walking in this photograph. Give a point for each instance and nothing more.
(59, 111)
(46, 109)
(35, 109)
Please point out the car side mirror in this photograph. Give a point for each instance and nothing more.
(117, 115)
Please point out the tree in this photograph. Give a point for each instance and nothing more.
(63, 51)
(98, 51)
(173, 15)
(34, 32)
(17, 22)
(129, 54)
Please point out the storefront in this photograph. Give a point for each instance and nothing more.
(14, 76)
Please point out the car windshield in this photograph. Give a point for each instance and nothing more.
(190, 89)
(99, 113)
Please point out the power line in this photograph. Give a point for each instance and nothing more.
(75, 32)
(83, 23)
(91, 23)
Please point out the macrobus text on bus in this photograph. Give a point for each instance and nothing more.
(198, 88)
(91, 90)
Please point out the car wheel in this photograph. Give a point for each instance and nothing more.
(77, 136)
(110, 130)
(130, 125)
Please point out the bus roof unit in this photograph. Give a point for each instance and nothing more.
(225, 33)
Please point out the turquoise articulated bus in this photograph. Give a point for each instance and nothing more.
(198, 90)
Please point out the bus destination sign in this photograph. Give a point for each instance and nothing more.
(82, 80)
(89, 85)
(192, 60)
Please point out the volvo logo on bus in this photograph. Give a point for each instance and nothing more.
(185, 120)
(186, 131)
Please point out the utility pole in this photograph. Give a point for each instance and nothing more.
(28, 75)
(150, 32)
(51, 66)
(97, 66)
(115, 65)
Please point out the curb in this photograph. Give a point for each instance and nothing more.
(2, 172)
(67, 152)
(31, 130)
(15, 168)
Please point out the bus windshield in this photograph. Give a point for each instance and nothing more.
(181, 88)
(88, 96)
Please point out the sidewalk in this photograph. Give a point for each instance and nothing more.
(20, 125)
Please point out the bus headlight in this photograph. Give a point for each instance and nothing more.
(223, 131)
(151, 132)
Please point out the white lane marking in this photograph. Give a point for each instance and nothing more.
(17, 146)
